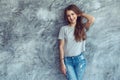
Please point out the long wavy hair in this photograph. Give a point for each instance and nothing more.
(79, 32)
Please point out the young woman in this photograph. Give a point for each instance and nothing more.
(72, 42)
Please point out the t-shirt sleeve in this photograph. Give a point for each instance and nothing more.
(61, 33)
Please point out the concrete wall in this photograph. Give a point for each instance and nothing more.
(29, 45)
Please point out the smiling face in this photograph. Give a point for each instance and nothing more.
(71, 16)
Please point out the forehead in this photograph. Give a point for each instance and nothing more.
(68, 12)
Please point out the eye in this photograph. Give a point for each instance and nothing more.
(68, 15)
(72, 14)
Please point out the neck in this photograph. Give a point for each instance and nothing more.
(72, 24)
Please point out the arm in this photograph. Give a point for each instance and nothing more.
(61, 48)
(90, 20)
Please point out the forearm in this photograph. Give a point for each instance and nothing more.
(90, 20)
(61, 54)
(88, 17)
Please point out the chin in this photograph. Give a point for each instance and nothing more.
(73, 22)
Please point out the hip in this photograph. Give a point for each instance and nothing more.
(75, 59)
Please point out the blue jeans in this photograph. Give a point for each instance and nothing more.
(75, 67)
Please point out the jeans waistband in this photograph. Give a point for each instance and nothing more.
(78, 56)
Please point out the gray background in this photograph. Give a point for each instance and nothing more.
(29, 45)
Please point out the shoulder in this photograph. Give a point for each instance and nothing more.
(64, 27)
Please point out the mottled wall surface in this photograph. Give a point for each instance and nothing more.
(29, 45)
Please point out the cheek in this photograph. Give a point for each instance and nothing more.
(75, 17)
(68, 18)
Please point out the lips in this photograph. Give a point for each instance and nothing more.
(73, 20)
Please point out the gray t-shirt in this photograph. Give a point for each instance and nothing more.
(71, 47)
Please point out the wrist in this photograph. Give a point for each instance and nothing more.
(62, 58)
(82, 14)
(62, 63)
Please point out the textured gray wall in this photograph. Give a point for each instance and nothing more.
(29, 45)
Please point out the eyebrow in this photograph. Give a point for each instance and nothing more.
(69, 14)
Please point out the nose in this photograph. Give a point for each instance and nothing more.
(71, 17)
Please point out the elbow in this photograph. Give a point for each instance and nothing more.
(61, 46)
(93, 19)
(90, 22)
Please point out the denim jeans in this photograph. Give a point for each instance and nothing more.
(75, 67)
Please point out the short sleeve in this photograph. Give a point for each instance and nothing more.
(61, 33)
